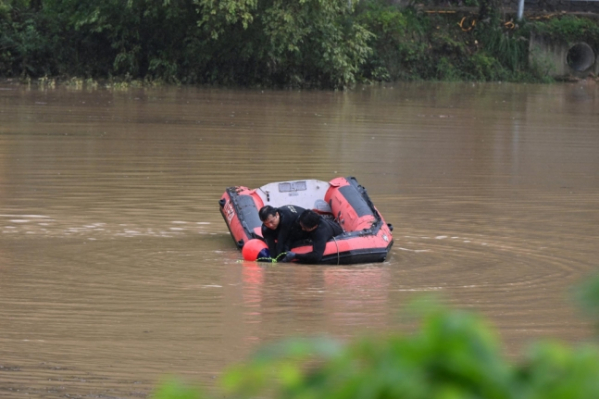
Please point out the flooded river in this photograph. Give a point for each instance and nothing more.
(116, 267)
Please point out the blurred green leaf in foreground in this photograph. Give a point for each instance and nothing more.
(451, 355)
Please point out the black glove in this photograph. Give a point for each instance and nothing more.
(288, 257)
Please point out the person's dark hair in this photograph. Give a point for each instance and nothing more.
(309, 218)
(266, 211)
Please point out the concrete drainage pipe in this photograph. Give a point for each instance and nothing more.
(581, 57)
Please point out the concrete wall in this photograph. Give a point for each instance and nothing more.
(563, 59)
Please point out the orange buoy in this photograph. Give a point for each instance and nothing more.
(254, 249)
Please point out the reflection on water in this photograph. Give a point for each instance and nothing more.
(116, 267)
(332, 297)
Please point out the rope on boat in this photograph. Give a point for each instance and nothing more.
(337, 245)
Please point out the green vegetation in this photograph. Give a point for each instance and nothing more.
(301, 43)
(569, 29)
(452, 355)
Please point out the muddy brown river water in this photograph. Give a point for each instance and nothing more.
(117, 269)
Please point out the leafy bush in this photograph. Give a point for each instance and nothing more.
(411, 45)
(569, 28)
(300, 43)
(586, 295)
(400, 41)
(452, 355)
(24, 47)
(447, 71)
(486, 67)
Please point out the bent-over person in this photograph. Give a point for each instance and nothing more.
(280, 227)
(319, 230)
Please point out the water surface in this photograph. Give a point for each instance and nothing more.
(116, 267)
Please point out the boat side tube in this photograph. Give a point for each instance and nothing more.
(366, 238)
(350, 249)
(239, 207)
(352, 207)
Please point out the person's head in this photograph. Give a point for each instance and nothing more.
(309, 220)
(270, 217)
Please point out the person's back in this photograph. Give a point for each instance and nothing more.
(280, 227)
(319, 230)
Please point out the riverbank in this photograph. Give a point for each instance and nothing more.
(263, 44)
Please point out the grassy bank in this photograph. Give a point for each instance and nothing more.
(267, 43)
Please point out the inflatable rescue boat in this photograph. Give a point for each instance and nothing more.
(366, 237)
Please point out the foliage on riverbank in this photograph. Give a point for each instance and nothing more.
(452, 355)
(570, 29)
(309, 43)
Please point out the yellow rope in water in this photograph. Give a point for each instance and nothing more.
(272, 260)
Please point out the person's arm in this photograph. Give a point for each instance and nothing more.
(269, 238)
(319, 243)
(283, 238)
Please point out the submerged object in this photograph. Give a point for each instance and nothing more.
(366, 237)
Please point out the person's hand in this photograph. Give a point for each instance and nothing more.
(289, 257)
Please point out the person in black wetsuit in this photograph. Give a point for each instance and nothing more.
(280, 227)
(319, 230)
